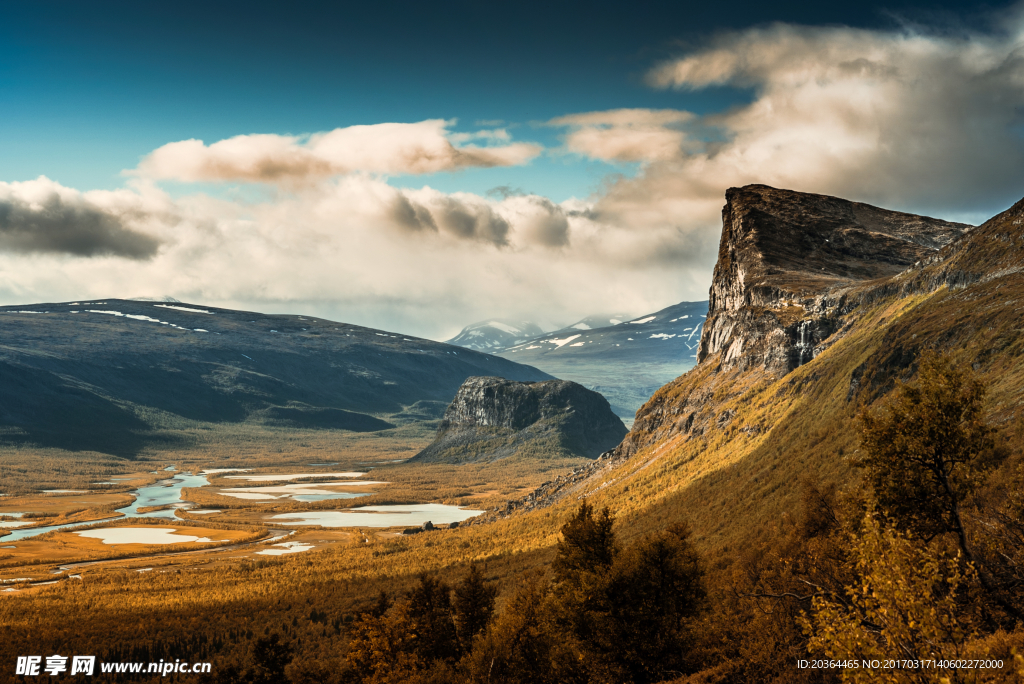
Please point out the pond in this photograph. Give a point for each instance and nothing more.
(298, 492)
(273, 477)
(407, 515)
(287, 547)
(144, 535)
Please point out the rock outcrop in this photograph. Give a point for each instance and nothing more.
(494, 418)
(794, 273)
(787, 264)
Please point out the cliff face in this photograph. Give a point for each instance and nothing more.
(493, 418)
(795, 274)
(788, 263)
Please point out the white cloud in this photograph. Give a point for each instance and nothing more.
(356, 249)
(387, 148)
(905, 120)
(627, 134)
(493, 134)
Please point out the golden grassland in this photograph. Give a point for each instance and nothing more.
(25, 470)
(51, 509)
(66, 547)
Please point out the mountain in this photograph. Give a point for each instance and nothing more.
(666, 336)
(600, 321)
(625, 361)
(818, 307)
(104, 375)
(495, 335)
(493, 418)
(796, 273)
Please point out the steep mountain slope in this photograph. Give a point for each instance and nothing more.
(495, 335)
(493, 418)
(99, 375)
(727, 445)
(625, 361)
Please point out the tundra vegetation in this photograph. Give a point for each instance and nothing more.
(852, 575)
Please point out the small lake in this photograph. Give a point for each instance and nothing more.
(287, 547)
(294, 476)
(411, 515)
(143, 535)
(297, 492)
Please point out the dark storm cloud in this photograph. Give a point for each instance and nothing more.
(62, 226)
(411, 216)
(470, 221)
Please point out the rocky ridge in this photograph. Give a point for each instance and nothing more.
(492, 418)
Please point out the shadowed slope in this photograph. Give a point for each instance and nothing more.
(117, 365)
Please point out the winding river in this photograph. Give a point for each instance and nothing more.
(163, 493)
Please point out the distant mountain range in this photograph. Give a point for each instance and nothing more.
(667, 336)
(495, 334)
(103, 375)
(625, 358)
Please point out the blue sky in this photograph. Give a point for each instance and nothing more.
(90, 90)
(87, 89)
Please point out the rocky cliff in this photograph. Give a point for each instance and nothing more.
(790, 265)
(796, 273)
(493, 418)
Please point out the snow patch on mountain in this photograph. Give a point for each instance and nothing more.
(496, 335)
(562, 342)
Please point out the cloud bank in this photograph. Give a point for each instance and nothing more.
(387, 148)
(356, 249)
(911, 121)
(901, 119)
(40, 216)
